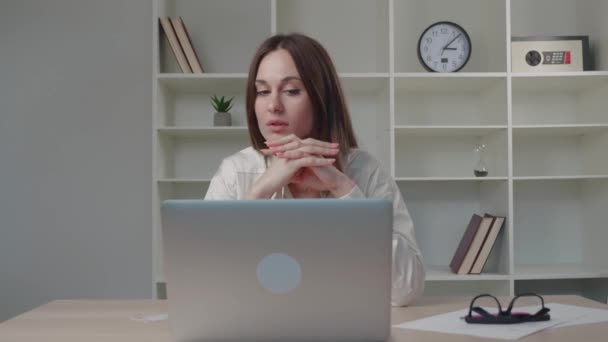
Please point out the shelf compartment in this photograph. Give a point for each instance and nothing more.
(560, 222)
(448, 156)
(487, 32)
(358, 44)
(204, 19)
(595, 288)
(560, 151)
(560, 99)
(441, 213)
(421, 100)
(564, 17)
(467, 289)
(196, 157)
(185, 101)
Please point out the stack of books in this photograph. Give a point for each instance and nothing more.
(472, 253)
(179, 38)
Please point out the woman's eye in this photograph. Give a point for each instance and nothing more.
(263, 92)
(293, 91)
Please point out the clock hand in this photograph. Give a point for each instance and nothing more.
(451, 41)
(447, 48)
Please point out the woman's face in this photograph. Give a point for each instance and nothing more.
(282, 105)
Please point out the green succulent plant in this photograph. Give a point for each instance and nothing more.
(220, 104)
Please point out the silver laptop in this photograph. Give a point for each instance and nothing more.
(278, 270)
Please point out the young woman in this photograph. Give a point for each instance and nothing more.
(303, 146)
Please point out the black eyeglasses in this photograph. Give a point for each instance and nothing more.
(507, 316)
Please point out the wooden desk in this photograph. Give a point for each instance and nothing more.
(82, 320)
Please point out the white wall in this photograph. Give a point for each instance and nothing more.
(75, 151)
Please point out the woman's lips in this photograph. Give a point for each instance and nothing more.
(277, 125)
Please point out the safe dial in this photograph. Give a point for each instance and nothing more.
(533, 58)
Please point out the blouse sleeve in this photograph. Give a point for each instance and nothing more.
(408, 272)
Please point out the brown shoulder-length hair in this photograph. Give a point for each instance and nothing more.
(331, 120)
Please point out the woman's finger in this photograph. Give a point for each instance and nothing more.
(292, 154)
(311, 161)
(286, 147)
(323, 151)
(307, 150)
(283, 140)
(308, 141)
(315, 142)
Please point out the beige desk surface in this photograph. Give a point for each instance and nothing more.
(88, 320)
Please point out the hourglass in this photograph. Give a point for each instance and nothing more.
(480, 168)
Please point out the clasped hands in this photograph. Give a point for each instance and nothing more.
(305, 163)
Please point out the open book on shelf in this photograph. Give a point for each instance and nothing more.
(476, 244)
(179, 39)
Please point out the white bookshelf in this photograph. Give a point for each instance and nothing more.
(547, 133)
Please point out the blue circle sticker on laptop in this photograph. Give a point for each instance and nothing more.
(279, 273)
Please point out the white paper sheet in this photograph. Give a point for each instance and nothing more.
(452, 323)
(588, 315)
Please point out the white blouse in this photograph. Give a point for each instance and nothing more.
(238, 172)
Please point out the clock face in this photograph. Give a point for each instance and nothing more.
(444, 47)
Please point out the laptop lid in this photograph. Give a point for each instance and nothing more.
(306, 269)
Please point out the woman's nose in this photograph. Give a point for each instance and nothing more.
(274, 104)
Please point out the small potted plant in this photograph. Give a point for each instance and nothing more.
(222, 108)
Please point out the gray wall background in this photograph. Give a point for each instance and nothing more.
(75, 151)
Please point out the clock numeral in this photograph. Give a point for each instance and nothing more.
(454, 64)
(461, 57)
(426, 49)
(429, 40)
(435, 65)
(434, 33)
(428, 58)
(444, 30)
(444, 66)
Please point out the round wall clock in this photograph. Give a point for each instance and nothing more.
(444, 47)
